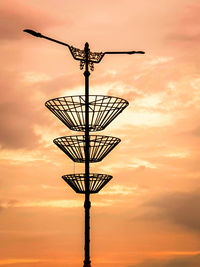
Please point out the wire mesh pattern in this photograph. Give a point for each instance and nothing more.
(71, 110)
(96, 182)
(74, 146)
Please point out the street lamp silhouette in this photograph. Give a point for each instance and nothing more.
(86, 113)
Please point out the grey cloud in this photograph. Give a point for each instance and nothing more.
(187, 30)
(185, 37)
(19, 112)
(13, 20)
(9, 203)
(181, 208)
(60, 83)
(184, 261)
(16, 126)
(196, 131)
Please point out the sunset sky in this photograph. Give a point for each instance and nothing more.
(148, 215)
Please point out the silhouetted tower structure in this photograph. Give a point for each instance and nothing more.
(86, 113)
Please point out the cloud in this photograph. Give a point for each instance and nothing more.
(63, 82)
(21, 109)
(196, 131)
(4, 204)
(14, 20)
(120, 190)
(22, 106)
(186, 33)
(192, 261)
(17, 129)
(16, 261)
(59, 203)
(180, 208)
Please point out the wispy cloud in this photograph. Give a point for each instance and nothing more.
(70, 203)
(120, 190)
(17, 261)
(182, 259)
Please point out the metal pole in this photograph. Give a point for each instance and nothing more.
(87, 203)
(85, 57)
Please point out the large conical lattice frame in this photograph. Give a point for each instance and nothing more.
(96, 182)
(74, 146)
(71, 111)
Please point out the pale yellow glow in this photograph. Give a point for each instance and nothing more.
(119, 190)
(143, 118)
(150, 101)
(20, 156)
(132, 163)
(94, 90)
(47, 187)
(178, 155)
(47, 134)
(197, 252)
(158, 60)
(66, 203)
(149, 118)
(16, 261)
(195, 83)
(52, 204)
(140, 162)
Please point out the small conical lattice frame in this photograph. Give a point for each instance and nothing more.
(96, 182)
(71, 110)
(74, 146)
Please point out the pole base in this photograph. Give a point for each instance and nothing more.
(86, 264)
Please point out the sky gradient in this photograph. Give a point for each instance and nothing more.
(148, 214)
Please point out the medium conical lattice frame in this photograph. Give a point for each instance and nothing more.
(96, 182)
(74, 146)
(71, 110)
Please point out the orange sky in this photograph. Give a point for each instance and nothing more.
(148, 215)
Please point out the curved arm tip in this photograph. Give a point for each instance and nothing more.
(136, 52)
(36, 34)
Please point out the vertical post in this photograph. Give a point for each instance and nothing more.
(87, 203)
